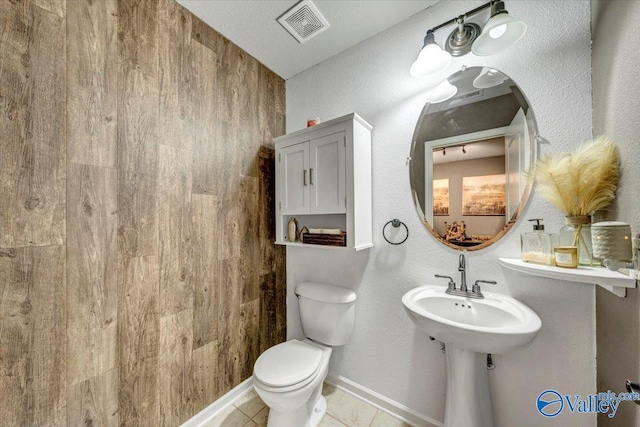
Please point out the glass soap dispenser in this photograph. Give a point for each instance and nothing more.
(537, 246)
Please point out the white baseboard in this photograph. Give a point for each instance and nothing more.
(396, 409)
(209, 413)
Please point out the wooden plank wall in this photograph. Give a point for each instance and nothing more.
(138, 276)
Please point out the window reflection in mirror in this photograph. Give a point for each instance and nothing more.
(469, 159)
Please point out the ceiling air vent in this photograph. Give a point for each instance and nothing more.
(303, 21)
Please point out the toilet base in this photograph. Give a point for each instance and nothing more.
(303, 406)
(301, 417)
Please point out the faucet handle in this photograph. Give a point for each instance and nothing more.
(476, 287)
(451, 285)
(491, 282)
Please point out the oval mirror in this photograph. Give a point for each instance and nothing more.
(472, 148)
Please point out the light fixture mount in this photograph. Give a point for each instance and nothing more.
(461, 39)
(498, 7)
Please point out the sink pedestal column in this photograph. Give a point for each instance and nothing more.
(468, 398)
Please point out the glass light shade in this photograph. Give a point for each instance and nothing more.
(500, 32)
(444, 91)
(489, 77)
(431, 60)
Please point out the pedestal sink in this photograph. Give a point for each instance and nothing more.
(470, 328)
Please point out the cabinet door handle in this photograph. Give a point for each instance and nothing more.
(304, 178)
(311, 176)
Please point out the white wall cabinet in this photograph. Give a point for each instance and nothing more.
(313, 176)
(323, 179)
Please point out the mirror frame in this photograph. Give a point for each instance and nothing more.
(532, 124)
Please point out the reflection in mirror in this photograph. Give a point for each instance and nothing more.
(470, 155)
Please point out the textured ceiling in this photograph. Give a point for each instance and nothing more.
(252, 25)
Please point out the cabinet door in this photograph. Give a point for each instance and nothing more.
(294, 178)
(327, 170)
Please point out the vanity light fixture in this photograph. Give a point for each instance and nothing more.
(500, 32)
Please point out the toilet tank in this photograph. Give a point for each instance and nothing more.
(327, 312)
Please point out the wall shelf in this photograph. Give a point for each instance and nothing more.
(613, 281)
(309, 245)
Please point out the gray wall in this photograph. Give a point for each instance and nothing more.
(616, 104)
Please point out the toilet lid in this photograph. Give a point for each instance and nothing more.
(288, 363)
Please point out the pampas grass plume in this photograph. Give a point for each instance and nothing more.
(581, 182)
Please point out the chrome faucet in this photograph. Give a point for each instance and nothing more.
(463, 291)
(462, 268)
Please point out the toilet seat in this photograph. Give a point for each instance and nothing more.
(287, 366)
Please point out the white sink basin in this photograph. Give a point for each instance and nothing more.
(496, 324)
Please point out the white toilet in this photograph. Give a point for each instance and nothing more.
(289, 376)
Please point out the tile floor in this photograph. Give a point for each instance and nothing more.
(343, 409)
